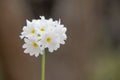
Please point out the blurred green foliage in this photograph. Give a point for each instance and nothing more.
(105, 67)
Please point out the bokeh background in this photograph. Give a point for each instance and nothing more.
(91, 52)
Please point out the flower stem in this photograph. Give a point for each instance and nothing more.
(43, 66)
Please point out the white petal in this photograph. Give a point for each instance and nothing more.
(37, 54)
(28, 22)
(26, 51)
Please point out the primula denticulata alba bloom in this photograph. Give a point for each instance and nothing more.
(40, 34)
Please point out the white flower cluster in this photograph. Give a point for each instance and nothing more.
(40, 34)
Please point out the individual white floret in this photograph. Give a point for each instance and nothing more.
(32, 47)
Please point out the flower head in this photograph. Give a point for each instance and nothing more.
(40, 34)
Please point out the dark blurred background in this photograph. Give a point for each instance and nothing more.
(91, 52)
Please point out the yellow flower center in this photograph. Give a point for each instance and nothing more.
(35, 44)
(42, 29)
(33, 31)
(48, 39)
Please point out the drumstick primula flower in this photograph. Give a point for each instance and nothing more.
(41, 34)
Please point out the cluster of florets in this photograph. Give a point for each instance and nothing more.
(40, 34)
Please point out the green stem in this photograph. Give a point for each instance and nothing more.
(43, 66)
